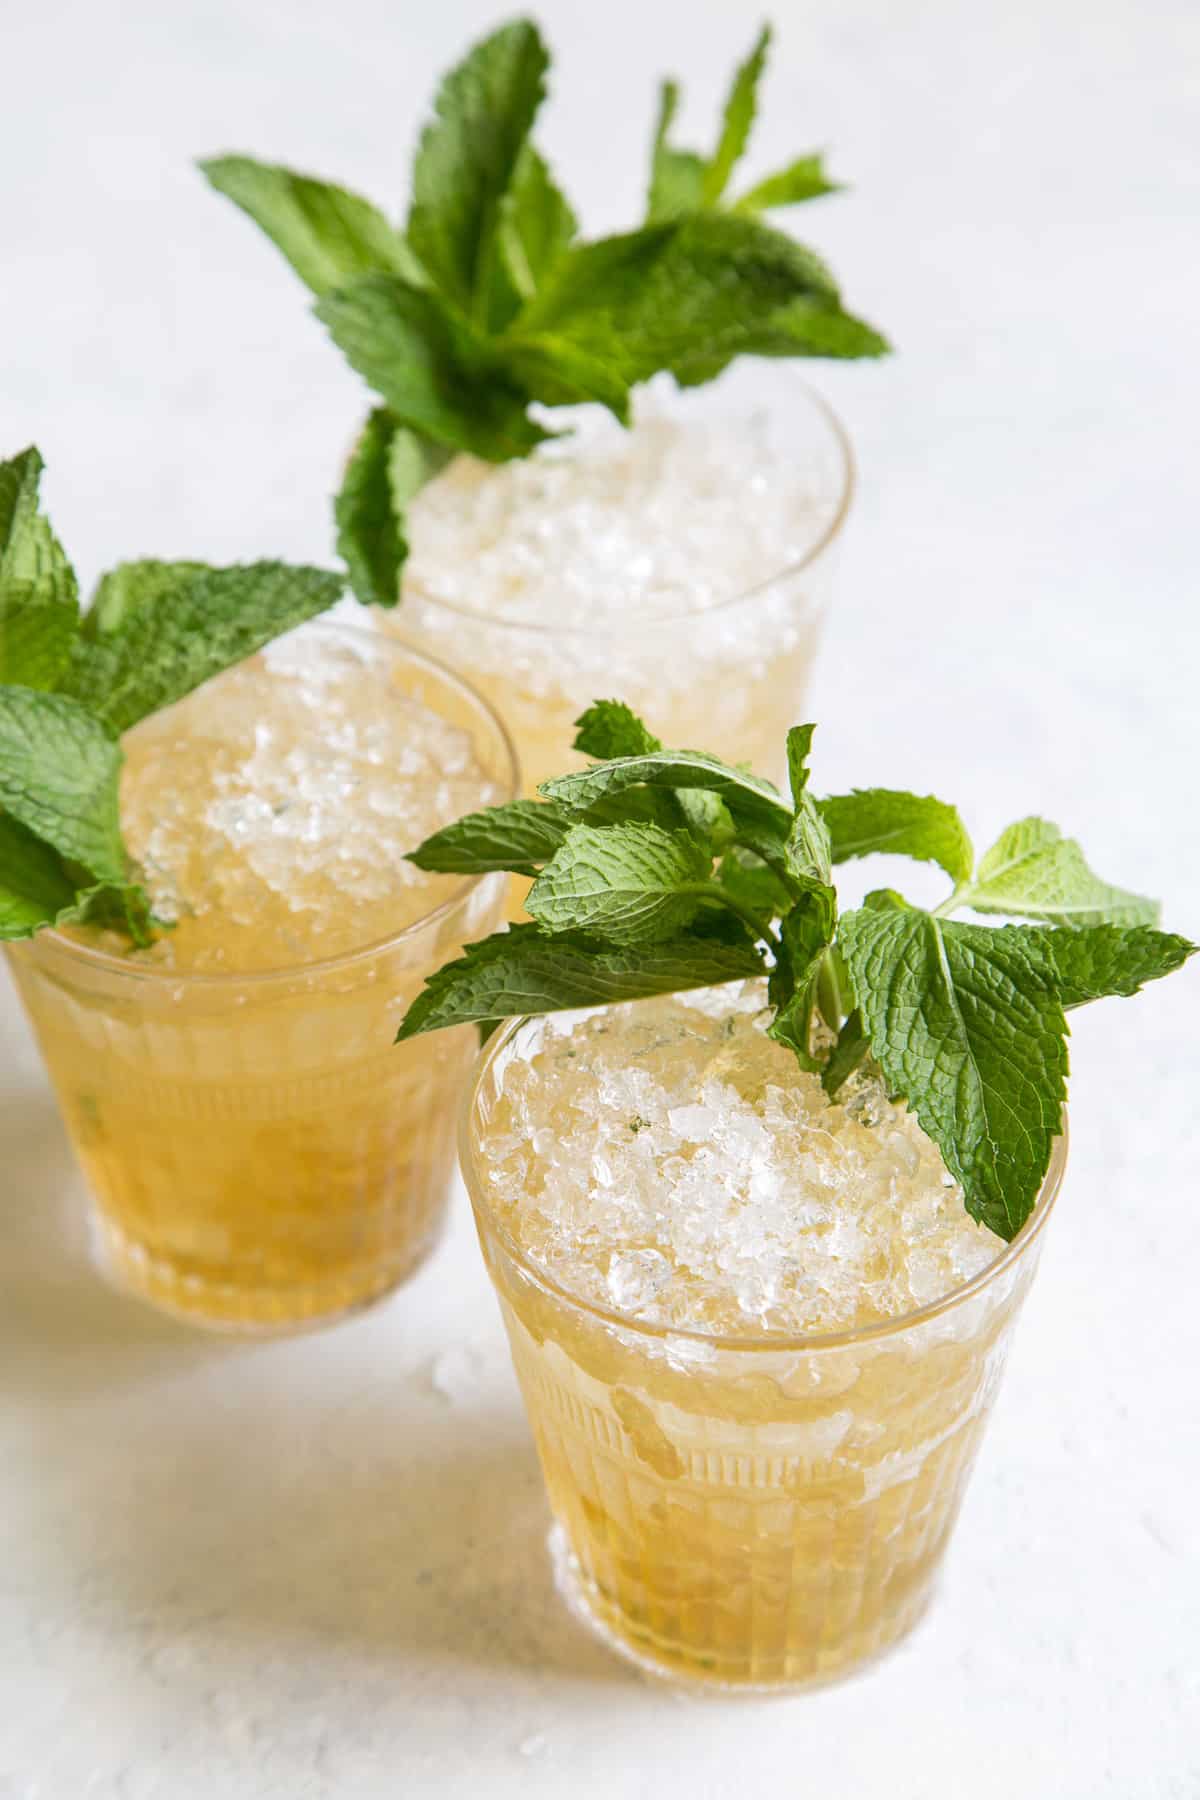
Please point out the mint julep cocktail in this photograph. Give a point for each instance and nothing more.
(761, 1182)
(551, 527)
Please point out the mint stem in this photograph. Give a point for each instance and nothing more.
(829, 993)
(711, 890)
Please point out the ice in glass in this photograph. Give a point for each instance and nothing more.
(259, 1152)
(757, 1334)
(683, 564)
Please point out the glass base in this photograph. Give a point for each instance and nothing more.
(573, 1590)
(247, 1311)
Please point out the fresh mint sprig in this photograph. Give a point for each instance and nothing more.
(639, 890)
(487, 303)
(685, 181)
(71, 682)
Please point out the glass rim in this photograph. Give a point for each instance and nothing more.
(122, 966)
(829, 532)
(765, 1342)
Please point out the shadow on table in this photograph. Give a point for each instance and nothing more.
(425, 1569)
(306, 1505)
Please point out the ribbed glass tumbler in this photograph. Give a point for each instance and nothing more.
(261, 1155)
(757, 1512)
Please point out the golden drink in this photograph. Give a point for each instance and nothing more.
(683, 565)
(259, 1152)
(757, 1335)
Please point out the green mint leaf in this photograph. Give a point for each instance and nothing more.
(328, 234)
(807, 853)
(35, 889)
(1092, 962)
(39, 601)
(628, 883)
(751, 801)
(609, 728)
(522, 972)
(389, 465)
(804, 179)
(799, 749)
(682, 296)
(124, 590)
(805, 328)
(369, 539)
(805, 933)
(752, 884)
(185, 628)
(676, 176)
(116, 906)
(558, 373)
(517, 837)
(59, 770)
(536, 225)
(739, 114)
(1036, 873)
(429, 367)
(967, 1030)
(849, 1053)
(791, 1027)
(888, 822)
(468, 156)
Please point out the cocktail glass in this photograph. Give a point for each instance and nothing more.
(727, 672)
(752, 1512)
(260, 1154)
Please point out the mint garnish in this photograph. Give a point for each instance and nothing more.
(39, 600)
(684, 180)
(656, 867)
(69, 685)
(487, 304)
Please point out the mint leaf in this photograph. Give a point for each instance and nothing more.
(389, 465)
(1033, 871)
(558, 373)
(678, 296)
(792, 1027)
(750, 800)
(849, 1053)
(185, 628)
(328, 234)
(516, 837)
(59, 769)
(752, 884)
(630, 883)
(468, 155)
(676, 176)
(35, 889)
(738, 118)
(39, 604)
(805, 933)
(803, 179)
(887, 821)
(799, 749)
(130, 586)
(429, 367)
(369, 539)
(522, 972)
(609, 728)
(807, 855)
(536, 225)
(965, 1027)
(1092, 962)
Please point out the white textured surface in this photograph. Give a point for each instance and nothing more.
(315, 1568)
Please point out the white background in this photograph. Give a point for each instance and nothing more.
(302, 1569)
